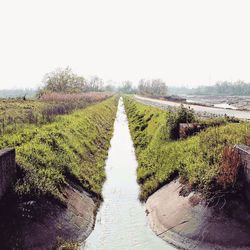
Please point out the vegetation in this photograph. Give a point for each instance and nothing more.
(16, 114)
(224, 88)
(183, 115)
(198, 159)
(154, 87)
(127, 88)
(73, 147)
(65, 81)
(67, 245)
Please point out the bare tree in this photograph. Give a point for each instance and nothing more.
(95, 84)
(159, 87)
(127, 87)
(64, 80)
(154, 87)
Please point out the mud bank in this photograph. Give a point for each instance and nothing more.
(45, 224)
(189, 223)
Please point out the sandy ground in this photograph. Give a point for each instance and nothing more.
(188, 225)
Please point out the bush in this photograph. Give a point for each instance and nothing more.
(183, 115)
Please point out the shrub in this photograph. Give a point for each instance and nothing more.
(183, 115)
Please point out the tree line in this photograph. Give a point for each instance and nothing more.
(223, 88)
(65, 81)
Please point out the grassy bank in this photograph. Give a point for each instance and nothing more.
(17, 113)
(197, 159)
(73, 147)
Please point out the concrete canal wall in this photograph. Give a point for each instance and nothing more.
(244, 152)
(7, 169)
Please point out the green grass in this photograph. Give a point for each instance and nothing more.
(196, 158)
(72, 147)
(16, 113)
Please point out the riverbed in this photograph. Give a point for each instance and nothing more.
(121, 222)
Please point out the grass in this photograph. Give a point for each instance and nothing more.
(73, 147)
(197, 158)
(16, 113)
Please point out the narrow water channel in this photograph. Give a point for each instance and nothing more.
(121, 222)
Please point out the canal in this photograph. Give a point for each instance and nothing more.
(121, 222)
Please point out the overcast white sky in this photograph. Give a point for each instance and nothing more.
(184, 42)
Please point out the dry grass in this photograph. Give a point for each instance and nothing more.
(87, 97)
(229, 167)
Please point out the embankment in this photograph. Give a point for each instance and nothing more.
(191, 222)
(208, 201)
(60, 172)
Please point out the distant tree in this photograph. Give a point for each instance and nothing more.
(154, 87)
(238, 88)
(159, 87)
(64, 80)
(110, 88)
(127, 87)
(95, 84)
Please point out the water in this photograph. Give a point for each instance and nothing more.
(121, 222)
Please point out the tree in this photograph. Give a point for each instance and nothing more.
(127, 87)
(154, 87)
(64, 80)
(95, 84)
(159, 87)
(110, 88)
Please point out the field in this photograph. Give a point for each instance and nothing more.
(69, 148)
(197, 159)
(15, 114)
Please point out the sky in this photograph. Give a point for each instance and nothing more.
(185, 43)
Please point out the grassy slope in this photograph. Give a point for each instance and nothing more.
(73, 146)
(196, 158)
(15, 114)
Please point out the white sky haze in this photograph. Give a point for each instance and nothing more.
(184, 42)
